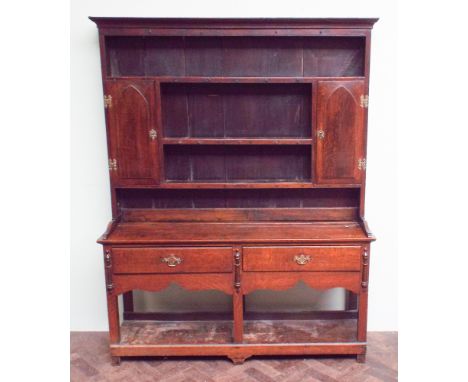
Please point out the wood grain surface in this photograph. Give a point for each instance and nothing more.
(225, 136)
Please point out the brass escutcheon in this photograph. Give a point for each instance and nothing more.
(302, 259)
(171, 261)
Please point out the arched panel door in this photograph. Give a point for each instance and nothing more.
(130, 106)
(340, 132)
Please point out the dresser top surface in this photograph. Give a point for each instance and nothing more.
(296, 233)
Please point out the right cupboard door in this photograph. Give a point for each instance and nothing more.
(340, 132)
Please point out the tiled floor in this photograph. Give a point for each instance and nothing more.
(90, 361)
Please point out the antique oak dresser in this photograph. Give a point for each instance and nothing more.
(237, 163)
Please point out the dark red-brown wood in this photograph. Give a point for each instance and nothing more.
(152, 233)
(237, 160)
(131, 120)
(300, 259)
(172, 260)
(339, 134)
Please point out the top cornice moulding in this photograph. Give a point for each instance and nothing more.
(247, 23)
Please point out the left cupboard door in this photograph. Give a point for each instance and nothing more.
(132, 131)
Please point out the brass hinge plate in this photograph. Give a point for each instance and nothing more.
(107, 101)
(112, 164)
(362, 163)
(364, 100)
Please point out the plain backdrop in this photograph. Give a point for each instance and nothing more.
(90, 200)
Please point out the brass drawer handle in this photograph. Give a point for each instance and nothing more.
(302, 259)
(171, 261)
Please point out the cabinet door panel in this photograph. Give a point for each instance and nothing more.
(339, 133)
(132, 124)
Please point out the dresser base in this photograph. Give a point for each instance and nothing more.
(261, 337)
(238, 353)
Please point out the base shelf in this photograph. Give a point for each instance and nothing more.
(255, 332)
(175, 332)
(300, 331)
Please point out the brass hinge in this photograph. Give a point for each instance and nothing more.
(364, 101)
(361, 164)
(107, 102)
(112, 164)
(320, 134)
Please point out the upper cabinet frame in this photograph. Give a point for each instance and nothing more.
(179, 27)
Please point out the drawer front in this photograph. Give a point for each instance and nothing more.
(172, 260)
(317, 258)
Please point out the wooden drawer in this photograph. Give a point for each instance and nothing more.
(172, 260)
(317, 258)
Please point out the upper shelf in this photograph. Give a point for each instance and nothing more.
(236, 141)
(235, 56)
(248, 185)
(239, 80)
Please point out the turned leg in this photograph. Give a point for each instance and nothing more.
(113, 315)
(112, 302)
(362, 317)
(362, 308)
(362, 323)
(114, 324)
(238, 329)
(238, 299)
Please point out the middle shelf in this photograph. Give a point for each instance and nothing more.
(236, 110)
(189, 163)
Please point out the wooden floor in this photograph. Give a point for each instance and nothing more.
(90, 361)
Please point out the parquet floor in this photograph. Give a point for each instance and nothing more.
(90, 361)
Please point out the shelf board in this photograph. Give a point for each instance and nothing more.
(227, 80)
(237, 141)
(239, 214)
(232, 185)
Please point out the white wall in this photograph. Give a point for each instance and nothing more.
(90, 185)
